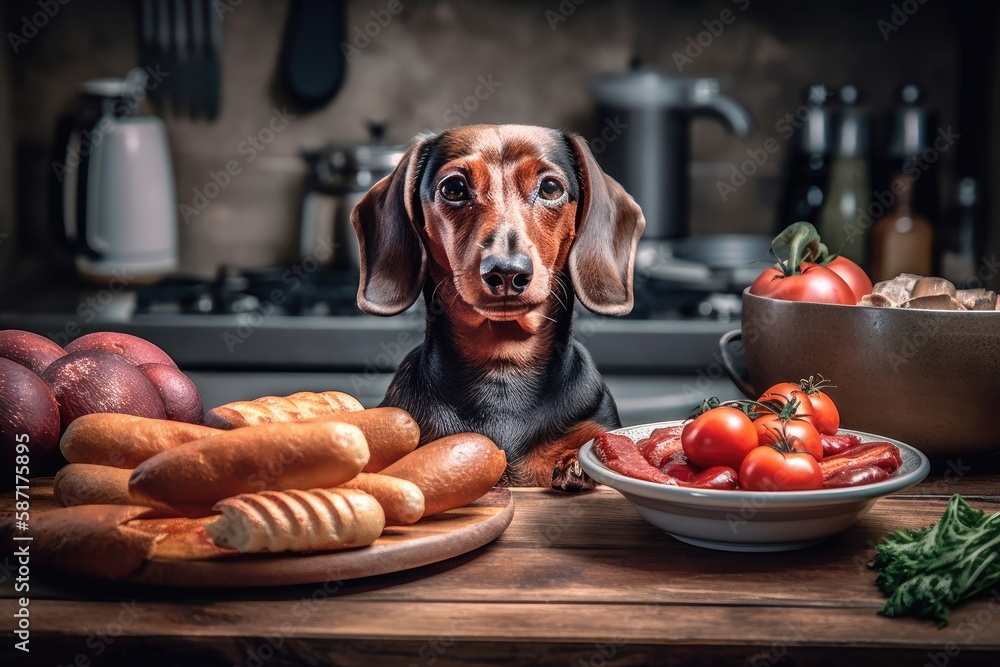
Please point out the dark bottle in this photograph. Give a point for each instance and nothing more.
(961, 242)
(901, 239)
(808, 168)
(846, 217)
(909, 152)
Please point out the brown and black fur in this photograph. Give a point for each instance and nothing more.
(499, 273)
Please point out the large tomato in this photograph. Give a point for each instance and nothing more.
(722, 436)
(814, 283)
(785, 393)
(852, 274)
(768, 469)
(799, 435)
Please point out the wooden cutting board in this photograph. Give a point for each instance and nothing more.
(430, 540)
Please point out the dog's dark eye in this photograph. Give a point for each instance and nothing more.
(550, 189)
(454, 189)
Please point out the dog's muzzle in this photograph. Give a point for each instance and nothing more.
(506, 275)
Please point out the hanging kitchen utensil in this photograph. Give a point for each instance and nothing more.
(313, 67)
(183, 40)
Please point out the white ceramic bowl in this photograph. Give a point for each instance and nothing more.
(752, 520)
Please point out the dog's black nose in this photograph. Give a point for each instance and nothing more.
(506, 275)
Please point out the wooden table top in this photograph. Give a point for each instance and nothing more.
(575, 579)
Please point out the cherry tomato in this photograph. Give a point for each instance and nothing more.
(784, 393)
(852, 274)
(815, 283)
(826, 416)
(768, 469)
(720, 437)
(798, 433)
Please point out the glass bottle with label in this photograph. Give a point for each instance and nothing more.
(809, 166)
(907, 152)
(961, 241)
(845, 220)
(901, 240)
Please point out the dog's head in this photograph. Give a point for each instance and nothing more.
(494, 214)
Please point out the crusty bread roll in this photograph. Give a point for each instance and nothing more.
(316, 520)
(452, 471)
(88, 540)
(401, 500)
(125, 441)
(191, 478)
(391, 433)
(89, 484)
(271, 409)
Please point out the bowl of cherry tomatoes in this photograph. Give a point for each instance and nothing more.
(769, 475)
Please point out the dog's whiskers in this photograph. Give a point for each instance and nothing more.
(437, 287)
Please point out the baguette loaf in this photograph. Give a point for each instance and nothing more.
(125, 441)
(401, 500)
(391, 433)
(88, 484)
(191, 478)
(453, 471)
(271, 409)
(320, 519)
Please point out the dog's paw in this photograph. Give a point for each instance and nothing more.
(568, 475)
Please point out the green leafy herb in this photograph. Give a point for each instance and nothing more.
(927, 571)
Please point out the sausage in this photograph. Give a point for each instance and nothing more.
(189, 479)
(125, 441)
(621, 454)
(855, 477)
(452, 471)
(391, 433)
(884, 455)
(839, 444)
(662, 444)
(402, 500)
(88, 484)
(713, 477)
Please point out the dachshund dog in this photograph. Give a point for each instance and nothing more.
(500, 226)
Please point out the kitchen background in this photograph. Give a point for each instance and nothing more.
(435, 64)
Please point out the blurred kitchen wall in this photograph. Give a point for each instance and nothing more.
(8, 238)
(536, 57)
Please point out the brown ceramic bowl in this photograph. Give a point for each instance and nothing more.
(930, 378)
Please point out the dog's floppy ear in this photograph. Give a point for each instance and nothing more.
(602, 258)
(393, 259)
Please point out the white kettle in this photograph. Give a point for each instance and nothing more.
(119, 201)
